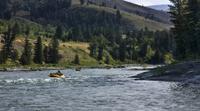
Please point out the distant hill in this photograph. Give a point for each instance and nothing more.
(128, 19)
(146, 12)
(163, 7)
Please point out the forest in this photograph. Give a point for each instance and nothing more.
(110, 35)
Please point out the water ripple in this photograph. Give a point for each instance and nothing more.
(94, 90)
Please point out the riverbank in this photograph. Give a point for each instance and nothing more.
(188, 72)
(131, 67)
(6, 68)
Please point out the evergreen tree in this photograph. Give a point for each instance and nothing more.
(107, 61)
(178, 14)
(3, 57)
(93, 48)
(100, 53)
(102, 43)
(26, 55)
(118, 16)
(54, 53)
(157, 58)
(192, 20)
(70, 35)
(27, 31)
(59, 33)
(8, 38)
(16, 29)
(7, 46)
(46, 53)
(38, 56)
(15, 55)
(122, 51)
(77, 60)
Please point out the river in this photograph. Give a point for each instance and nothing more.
(93, 90)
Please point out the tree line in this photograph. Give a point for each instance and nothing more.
(42, 8)
(142, 46)
(186, 18)
(49, 54)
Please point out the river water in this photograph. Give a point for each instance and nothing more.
(93, 90)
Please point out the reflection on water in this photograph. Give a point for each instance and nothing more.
(93, 90)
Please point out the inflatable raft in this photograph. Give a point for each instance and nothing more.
(56, 75)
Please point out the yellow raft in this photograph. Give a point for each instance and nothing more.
(56, 75)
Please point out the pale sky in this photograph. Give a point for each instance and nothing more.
(149, 2)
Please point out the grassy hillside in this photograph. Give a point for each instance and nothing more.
(138, 21)
(36, 28)
(67, 50)
(134, 9)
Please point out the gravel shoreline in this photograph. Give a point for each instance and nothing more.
(187, 72)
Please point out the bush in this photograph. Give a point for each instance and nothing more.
(168, 58)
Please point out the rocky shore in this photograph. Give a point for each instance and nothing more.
(188, 72)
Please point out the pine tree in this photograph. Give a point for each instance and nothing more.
(100, 53)
(77, 60)
(3, 57)
(122, 51)
(93, 47)
(15, 55)
(54, 53)
(118, 16)
(178, 14)
(107, 61)
(16, 29)
(38, 56)
(59, 33)
(157, 58)
(46, 53)
(192, 21)
(26, 55)
(7, 50)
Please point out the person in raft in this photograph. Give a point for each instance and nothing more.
(59, 72)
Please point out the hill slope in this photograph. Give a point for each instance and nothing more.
(68, 50)
(131, 8)
(137, 21)
(55, 13)
(164, 7)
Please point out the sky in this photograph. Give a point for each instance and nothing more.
(149, 2)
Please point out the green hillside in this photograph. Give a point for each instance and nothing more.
(132, 15)
(139, 22)
(68, 50)
(94, 33)
(134, 9)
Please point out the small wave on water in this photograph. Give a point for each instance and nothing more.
(31, 80)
